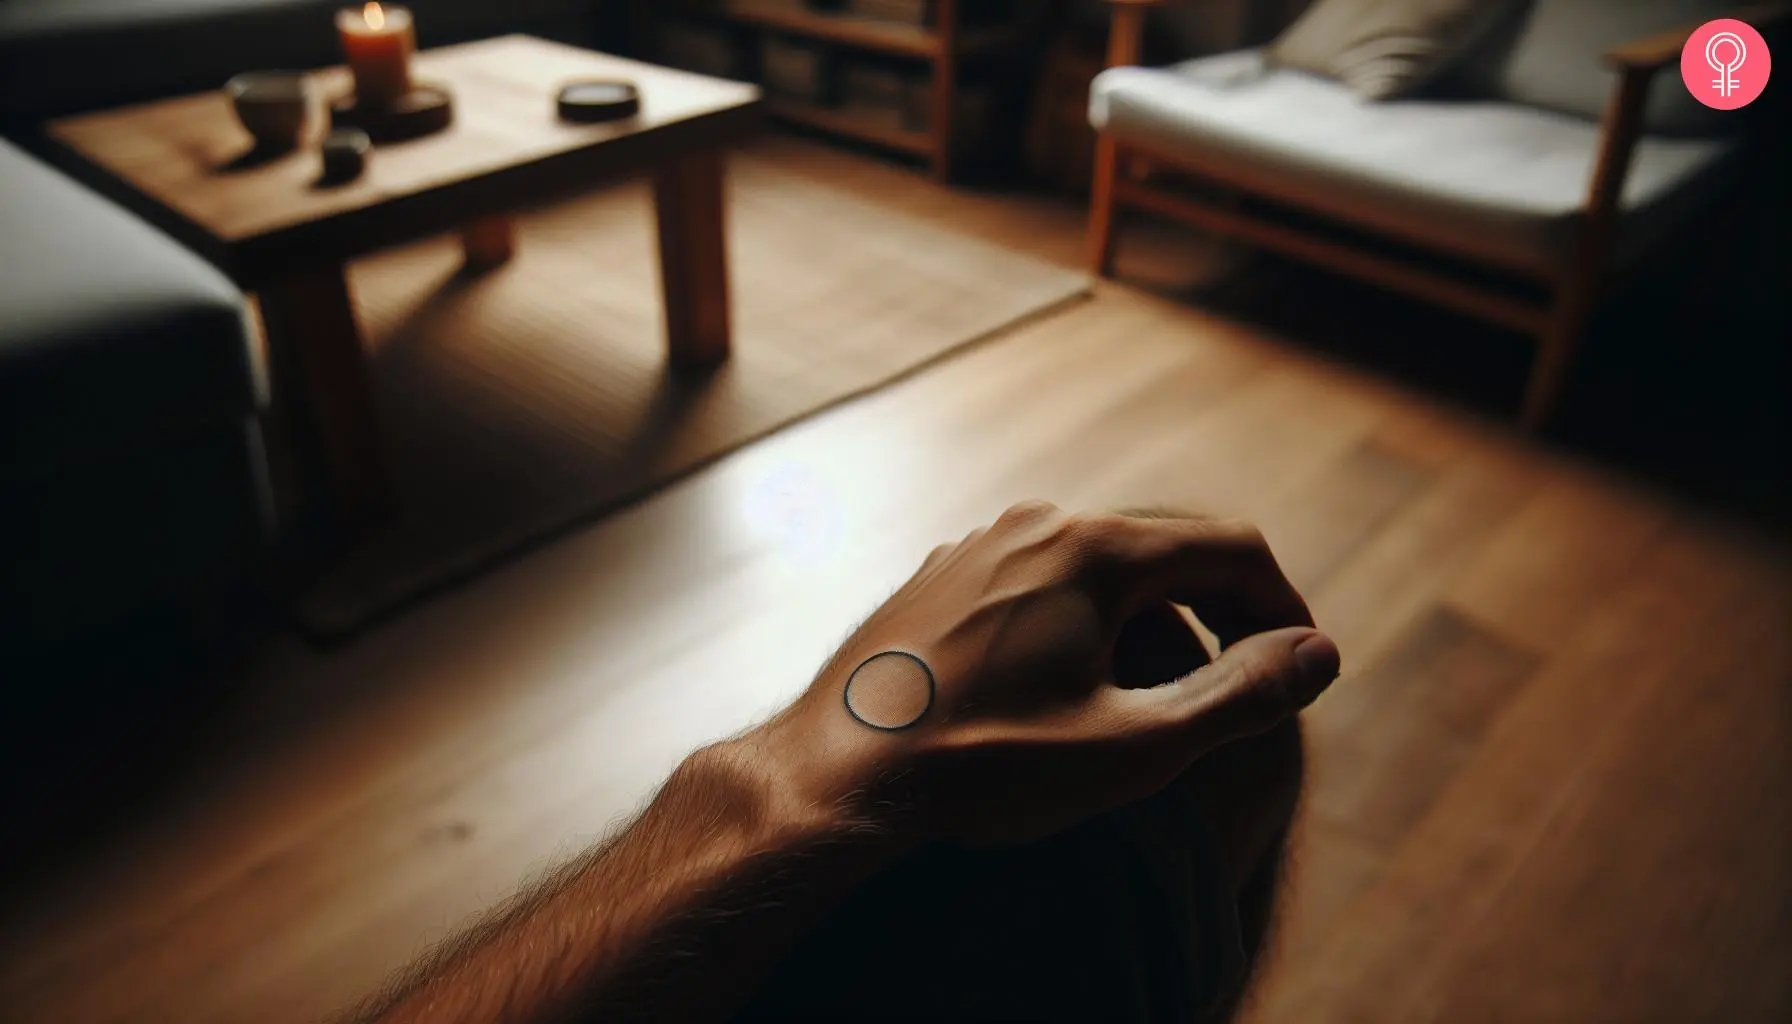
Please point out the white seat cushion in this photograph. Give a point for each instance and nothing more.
(1490, 178)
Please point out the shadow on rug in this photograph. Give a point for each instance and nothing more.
(522, 402)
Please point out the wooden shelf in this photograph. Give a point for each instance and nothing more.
(846, 123)
(942, 47)
(974, 42)
(845, 29)
(871, 34)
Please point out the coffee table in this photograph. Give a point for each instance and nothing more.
(187, 165)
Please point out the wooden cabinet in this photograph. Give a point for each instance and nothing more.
(930, 44)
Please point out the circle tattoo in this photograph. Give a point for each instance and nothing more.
(890, 691)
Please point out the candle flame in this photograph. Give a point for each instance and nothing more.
(376, 18)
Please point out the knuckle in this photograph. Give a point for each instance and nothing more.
(1242, 534)
(937, 555)
(1024, 512)
(1245, 542)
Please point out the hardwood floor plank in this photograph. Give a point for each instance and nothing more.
(1660, 887)
(1387, 958)
(1381, 747)
(1558, 557)
(1337, 512)
(1422, 716)
(1280, 431)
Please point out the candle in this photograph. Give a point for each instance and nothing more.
(378, 42)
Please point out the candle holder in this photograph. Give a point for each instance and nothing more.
(422, 111)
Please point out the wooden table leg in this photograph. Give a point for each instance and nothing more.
(488, 242)
(324, 398)
(687, 194)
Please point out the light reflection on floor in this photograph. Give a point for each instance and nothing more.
(799, 511)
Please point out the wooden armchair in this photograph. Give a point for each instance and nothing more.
(1535, 194)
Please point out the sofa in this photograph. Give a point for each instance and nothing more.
(1559, 152)
(130, 391)
(132, 387)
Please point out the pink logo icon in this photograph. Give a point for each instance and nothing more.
(1726, 64)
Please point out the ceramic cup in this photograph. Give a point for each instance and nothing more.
(275, 106)
(345, 155)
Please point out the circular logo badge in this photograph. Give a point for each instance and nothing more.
(1726, 64)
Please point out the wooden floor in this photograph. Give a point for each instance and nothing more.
(1552, 785)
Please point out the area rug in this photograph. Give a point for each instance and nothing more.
(519, 403)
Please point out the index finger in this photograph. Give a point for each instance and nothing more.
(1221, 568)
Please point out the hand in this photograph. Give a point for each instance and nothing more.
(980, 702)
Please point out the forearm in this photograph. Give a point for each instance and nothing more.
(677, 919)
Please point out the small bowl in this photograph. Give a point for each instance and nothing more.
(345, 155)
(275, 106)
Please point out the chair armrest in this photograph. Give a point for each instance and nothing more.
(1652, 53)
(1636, 63)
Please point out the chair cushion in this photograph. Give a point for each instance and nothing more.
(1384, 48)
(1487, 178)
(58, 56)
(1556, 60)
(111, 334)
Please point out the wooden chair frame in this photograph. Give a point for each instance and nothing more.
(1572, 289)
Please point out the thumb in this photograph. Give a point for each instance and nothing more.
(1253, 686)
